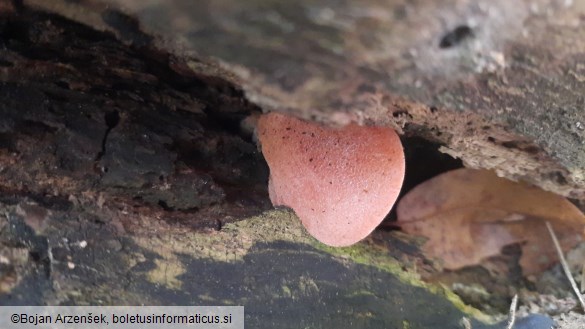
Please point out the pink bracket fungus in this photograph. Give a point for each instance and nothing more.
(341, 183)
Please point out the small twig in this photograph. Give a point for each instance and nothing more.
(512, 314)
(583, 278)
(565, 265)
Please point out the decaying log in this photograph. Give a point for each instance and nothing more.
(122, 173)
(498, 84)
(126, 179)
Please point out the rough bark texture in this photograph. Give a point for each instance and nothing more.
(499, 84)
(124, 170)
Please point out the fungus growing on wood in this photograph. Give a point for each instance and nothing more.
(341, 183)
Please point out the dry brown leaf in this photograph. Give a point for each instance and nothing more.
(469, 215)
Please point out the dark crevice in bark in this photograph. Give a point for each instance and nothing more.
(112, 119)
(63, 82)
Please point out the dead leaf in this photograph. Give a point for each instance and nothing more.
(469, 215)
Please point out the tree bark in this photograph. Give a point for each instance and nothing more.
(127, 179)
(498, 84)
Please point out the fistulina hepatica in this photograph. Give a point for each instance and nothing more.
(340, 182)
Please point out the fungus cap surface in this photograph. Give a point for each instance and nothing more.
(341, 183)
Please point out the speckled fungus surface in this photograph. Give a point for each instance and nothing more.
(341, 183)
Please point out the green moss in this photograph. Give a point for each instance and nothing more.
(233, 242)
(286, 292)
(360, 292)
(368, 254)
(372, 255)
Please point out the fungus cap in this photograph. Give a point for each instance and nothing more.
(341, 183)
